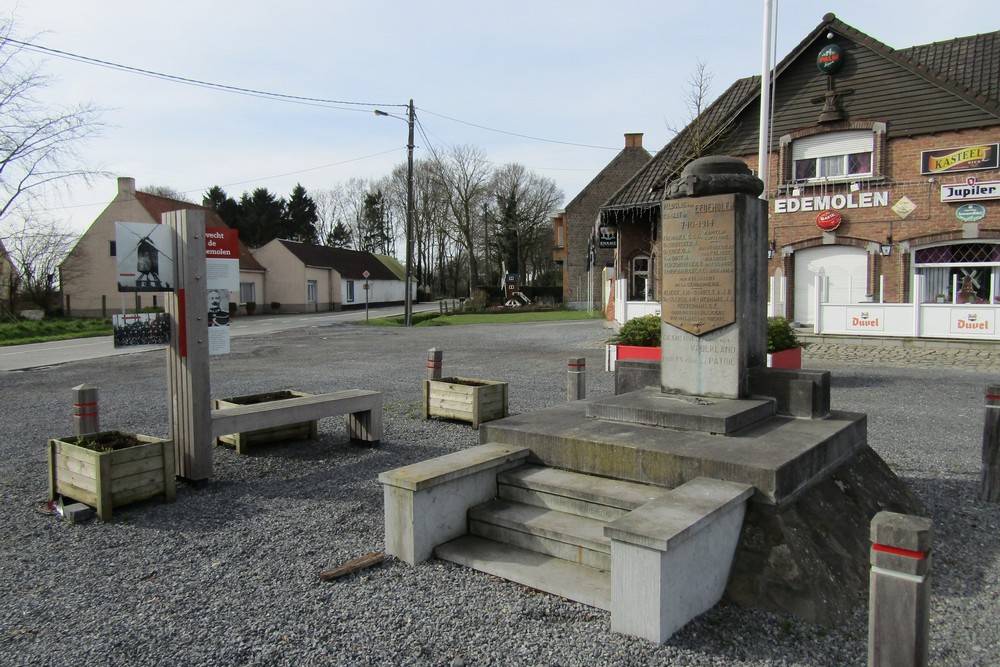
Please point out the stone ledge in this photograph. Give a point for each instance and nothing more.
(443, 469)
(679, 514)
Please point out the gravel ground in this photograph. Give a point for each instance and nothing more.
(227, 575)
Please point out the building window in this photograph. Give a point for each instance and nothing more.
(833, 156)
(113, 249)
(248, 292)
(311, 291)
(350, 291)
(639, 283)
(959, 272)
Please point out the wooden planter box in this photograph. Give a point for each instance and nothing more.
(298, 431)
(106, 480)
(465, 399)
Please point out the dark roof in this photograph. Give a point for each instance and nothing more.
(645, 189)
(627, 153)
(156, 206)
(968, 67)
(348, 263)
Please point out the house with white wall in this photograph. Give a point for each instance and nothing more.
(88, 275)
(306, 278)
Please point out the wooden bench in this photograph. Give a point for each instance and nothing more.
(363, 409)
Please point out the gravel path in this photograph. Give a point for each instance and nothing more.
(227, 575)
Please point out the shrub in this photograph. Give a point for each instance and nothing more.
(641, 331)
(251, 307)
(275, 306)
(780, 334)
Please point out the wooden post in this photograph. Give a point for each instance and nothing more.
(989, 480)
(899, 593)
(576, 379)
(435, 360)
(189, 407)
(86, 413)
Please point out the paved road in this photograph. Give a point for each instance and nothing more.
(815, 354)
(20, 357)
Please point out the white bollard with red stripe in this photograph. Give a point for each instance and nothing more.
(435, 359)
(899, 595)
(576, 379)
(86, 413)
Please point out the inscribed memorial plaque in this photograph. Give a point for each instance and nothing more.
(699, 266)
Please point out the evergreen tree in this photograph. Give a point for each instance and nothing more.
(301, 217)
(225, 206)
(261, 217)
(376, 236)
(340, 236)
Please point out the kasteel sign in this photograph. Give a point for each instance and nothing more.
(963, 158)
(970, 190)
(837, 202)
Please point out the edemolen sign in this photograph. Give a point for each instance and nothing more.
(828, 220)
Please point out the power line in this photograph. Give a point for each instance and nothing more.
(515, 134)
(251, 92)
(299, 99)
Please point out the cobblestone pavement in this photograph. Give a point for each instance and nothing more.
(926, 357)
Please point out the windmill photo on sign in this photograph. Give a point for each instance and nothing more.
(145, 257)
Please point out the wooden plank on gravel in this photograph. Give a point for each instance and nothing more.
(360, 563)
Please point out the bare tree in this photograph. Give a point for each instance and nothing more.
(521, 215)
(39, 142)
(35, 247)
(464, 176)
(167, 192)
(701, 133)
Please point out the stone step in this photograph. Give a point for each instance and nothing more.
(580, 583)
(598, 498)
(571, 537)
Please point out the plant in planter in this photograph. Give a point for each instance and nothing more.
(251, 307)
(465, 399)
(783, 347)
(639, 338)
(275, 306)
(110, 469)
(306, 430)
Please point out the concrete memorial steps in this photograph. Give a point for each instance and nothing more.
(579, 583)
(602, 535)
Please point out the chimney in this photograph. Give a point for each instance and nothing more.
(633, 140)
(126, 185)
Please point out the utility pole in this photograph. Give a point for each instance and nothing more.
(408, 304)
(407, 299)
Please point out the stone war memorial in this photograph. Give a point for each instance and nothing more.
(715, 477)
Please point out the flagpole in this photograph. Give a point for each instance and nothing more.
(763, 143)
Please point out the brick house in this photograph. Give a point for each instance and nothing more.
(574, 227)
(88, 275)
(883, 183)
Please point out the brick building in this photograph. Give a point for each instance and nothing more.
(575, 226)
(883, 183)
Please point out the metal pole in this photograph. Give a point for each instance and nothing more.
(409, 217)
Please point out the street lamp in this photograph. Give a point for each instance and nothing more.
(407, 301)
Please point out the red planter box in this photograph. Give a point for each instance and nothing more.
(790, 359)
(636, 352)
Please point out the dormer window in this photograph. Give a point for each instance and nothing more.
(833, 156)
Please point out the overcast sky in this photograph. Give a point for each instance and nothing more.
(577, 74)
